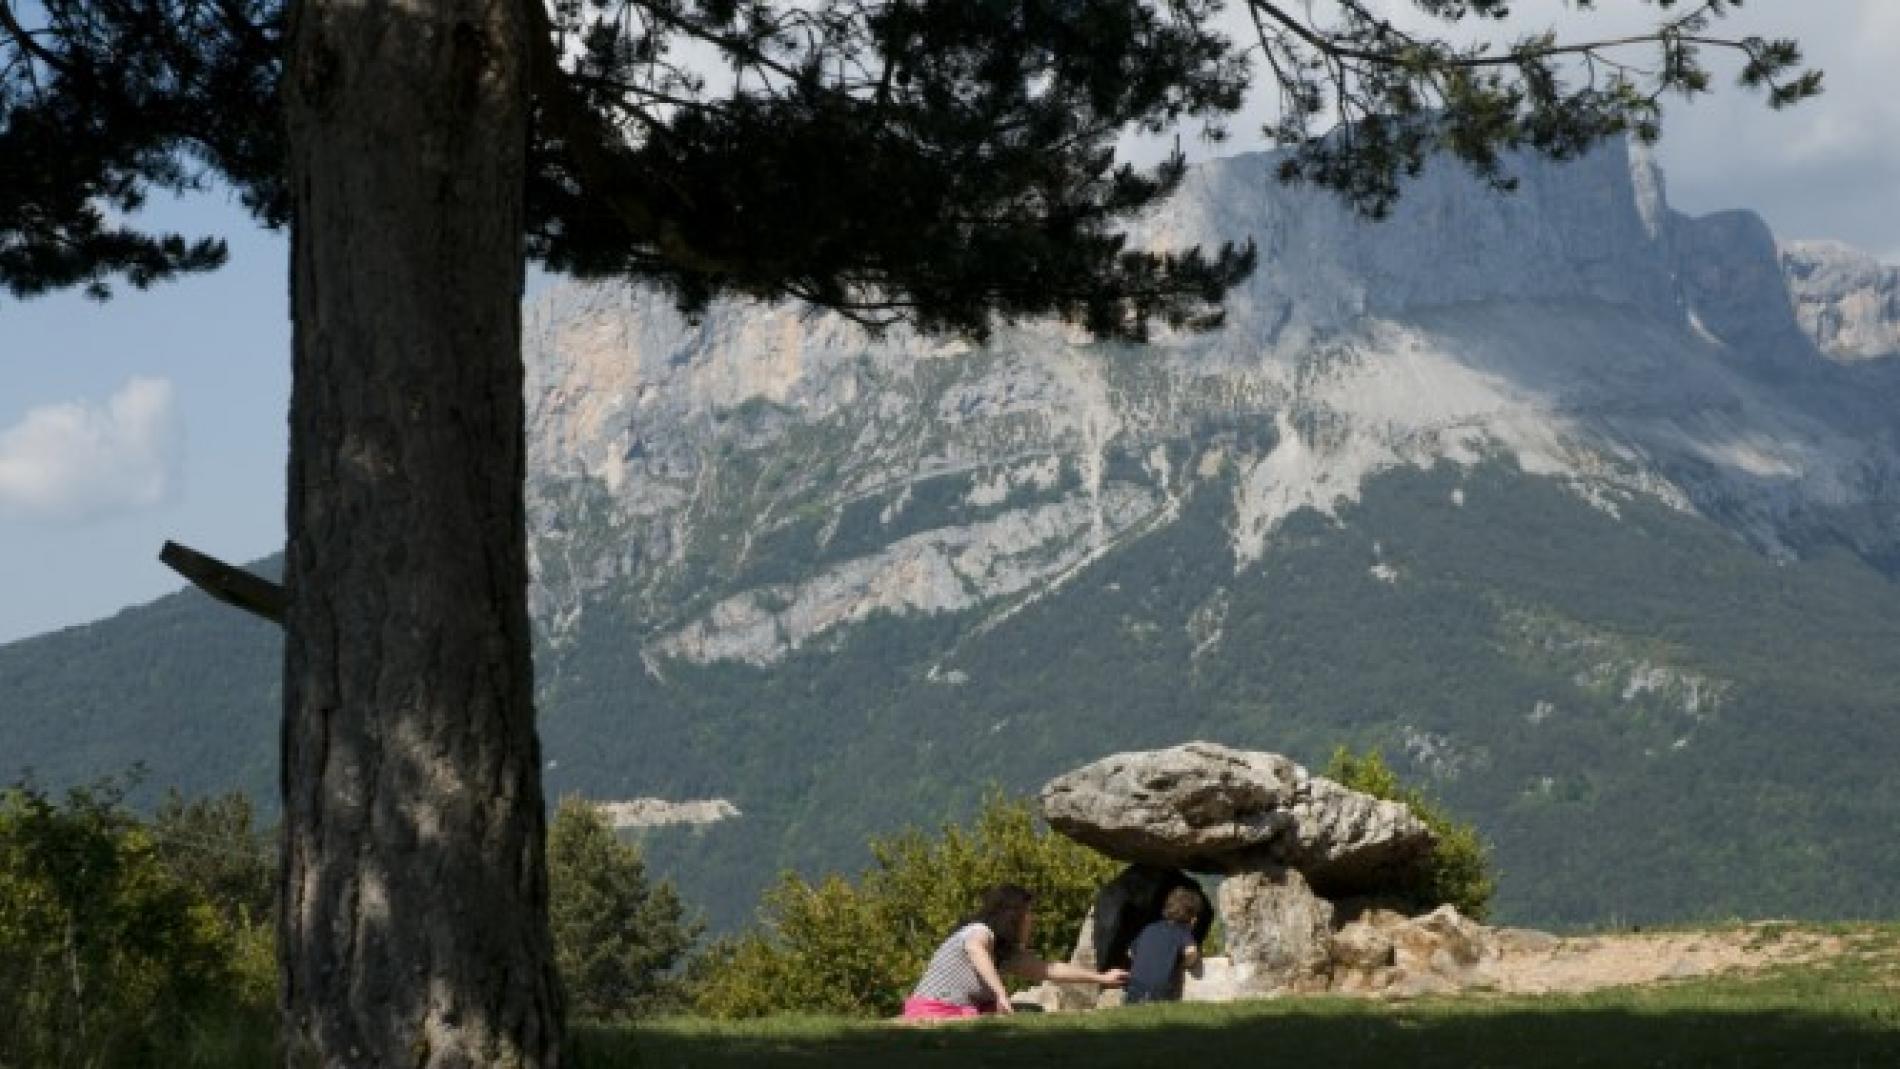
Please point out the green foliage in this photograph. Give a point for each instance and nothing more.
(617, 935)
(1313, 651)
(735, 184)
(190, 692)
(1407, 96)
(1460, 871)
(936, 881)
(91, 134)
(213, 846)
(827, 947)
(105, 952)
(835, 947)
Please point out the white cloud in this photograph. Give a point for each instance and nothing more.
(81, 460)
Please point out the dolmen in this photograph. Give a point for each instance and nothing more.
(1309, 874)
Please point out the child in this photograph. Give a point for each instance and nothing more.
(1165, 949)
(963, 978)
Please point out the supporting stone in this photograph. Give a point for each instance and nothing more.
(1279, 933)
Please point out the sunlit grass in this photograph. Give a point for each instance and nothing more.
(1843, 1012)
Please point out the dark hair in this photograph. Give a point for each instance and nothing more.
(1183, 906)
(1003, 909)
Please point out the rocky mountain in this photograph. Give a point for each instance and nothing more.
(1846, 300)
(1580, 330)
(1585, 510)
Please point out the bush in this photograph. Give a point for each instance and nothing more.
(213, 846)
(103, 951)
(836, 947)
(617, 936)
(1460, 871)
(827, 948)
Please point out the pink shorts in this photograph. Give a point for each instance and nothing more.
(930, 1009)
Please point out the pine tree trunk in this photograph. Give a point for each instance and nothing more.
(414, 928)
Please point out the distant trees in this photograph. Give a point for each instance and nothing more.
(106, 955)
(618, 935)
(214, 845)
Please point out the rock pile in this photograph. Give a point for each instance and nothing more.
(1308, 870)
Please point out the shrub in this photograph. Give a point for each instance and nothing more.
(1460, 872)
(213, 846)
(617, 936)
(828, 947)
(838, 947)
(103, 950)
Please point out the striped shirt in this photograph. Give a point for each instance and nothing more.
(951, 976)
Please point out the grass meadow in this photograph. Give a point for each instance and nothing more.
(1841, 1012)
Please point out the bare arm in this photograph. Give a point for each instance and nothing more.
(1032, 967)
(1190, 956)
(978, 945)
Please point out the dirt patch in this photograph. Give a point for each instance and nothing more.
(1443, 955)
(1574, 965)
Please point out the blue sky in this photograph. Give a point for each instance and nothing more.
(154, 415)
(162, 414)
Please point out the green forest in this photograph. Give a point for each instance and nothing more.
(1648, 720)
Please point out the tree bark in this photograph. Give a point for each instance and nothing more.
(414, 903)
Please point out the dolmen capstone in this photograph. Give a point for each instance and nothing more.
(1309, 870)
(1207, 808)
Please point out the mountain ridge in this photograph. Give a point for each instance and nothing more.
(1581, 326)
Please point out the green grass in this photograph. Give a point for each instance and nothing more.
(1844, 1012)
(241, 1037)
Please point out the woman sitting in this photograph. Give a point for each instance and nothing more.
(963, 978)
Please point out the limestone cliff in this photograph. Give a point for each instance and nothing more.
(1579, 329)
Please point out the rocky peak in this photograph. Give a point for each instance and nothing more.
(1730, 278)
(1584, 230)
(1578, 327)
(1846, 300)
